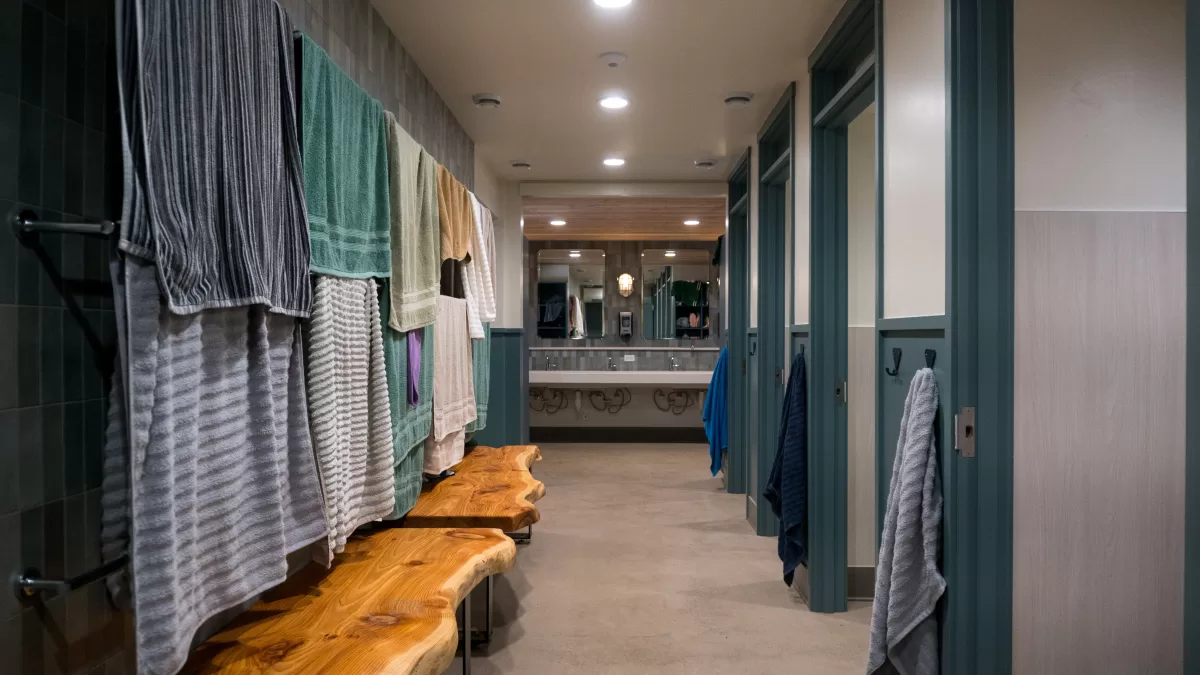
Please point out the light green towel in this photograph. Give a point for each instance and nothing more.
(345, 171)
(410, 425)
(481, 372)
(416, 231)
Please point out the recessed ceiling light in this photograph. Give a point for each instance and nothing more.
(738, 99)
(691, 222)
(670, 254)
(614, 161)
(706, 164)
(559, 222)
(574, 254)
(520, 164)
(610, 4)
(486, 100)
(614, 102)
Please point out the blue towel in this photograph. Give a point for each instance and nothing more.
(716, 412)
(787, 487)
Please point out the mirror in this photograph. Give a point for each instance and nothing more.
(570, 294)
(676, 287)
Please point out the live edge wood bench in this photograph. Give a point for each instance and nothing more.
(491, 487)
(386, 606)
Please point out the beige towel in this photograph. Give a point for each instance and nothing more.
(453, 386)
(454, 214)
(349, 409)
(416, 238)
(478, 285)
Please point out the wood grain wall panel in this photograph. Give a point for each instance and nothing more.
(860, 444)
(1098, 446)
(624, 218)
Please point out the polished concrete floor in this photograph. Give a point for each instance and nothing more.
(642, 563)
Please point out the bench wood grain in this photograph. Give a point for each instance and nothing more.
(387, 606)
(491, 487)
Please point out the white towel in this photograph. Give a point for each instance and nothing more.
(904, 630)
(349, 407)
(223, 484)
(453, 386)
(479, 285)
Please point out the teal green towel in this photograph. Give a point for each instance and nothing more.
(345, 171)
(481, 372)
(410, 425)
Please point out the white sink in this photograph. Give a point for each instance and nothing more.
(691, 379)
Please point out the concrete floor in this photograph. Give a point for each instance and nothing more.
(642, 563)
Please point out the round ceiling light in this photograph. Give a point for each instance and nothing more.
(558, 222)
(575, 254)
(670, 254)
(612, 4)
(691, 223)
(614, 161)
(520, 164)
(706, 164)
(614, 102)
(486, 100)
(738, 99)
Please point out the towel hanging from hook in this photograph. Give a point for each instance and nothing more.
(930, 357)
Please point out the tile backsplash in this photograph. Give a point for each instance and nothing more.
(590, 359)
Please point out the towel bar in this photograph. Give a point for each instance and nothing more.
(29, 585)
(27, 223)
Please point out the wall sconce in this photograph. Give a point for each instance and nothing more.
(625, 285)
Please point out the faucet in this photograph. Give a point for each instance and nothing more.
(674, 365)
(611, 364)
(549, 365)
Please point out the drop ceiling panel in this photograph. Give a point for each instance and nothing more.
(624, 218)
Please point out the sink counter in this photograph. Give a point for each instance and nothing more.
(692, 379)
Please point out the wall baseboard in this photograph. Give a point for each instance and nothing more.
(617, 435)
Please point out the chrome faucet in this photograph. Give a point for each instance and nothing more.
(549, 365)
(611, 364)
(674, 365)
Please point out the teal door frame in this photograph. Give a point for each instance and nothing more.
(977, 544)
(776, 148)
(844, 84)
(737, 257)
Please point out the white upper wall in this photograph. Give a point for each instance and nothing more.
(1100, 106)
(860, 216)
(914, 193)
(802, 200)
(504, 198)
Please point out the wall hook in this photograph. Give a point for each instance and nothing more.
(895, 369)
(930, 358)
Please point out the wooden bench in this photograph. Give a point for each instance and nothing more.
(491, 487)
(387, 606)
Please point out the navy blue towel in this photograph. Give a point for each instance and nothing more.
(716, 419)
(787, 487)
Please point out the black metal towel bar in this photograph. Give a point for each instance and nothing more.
(30, 585)
(26, 223)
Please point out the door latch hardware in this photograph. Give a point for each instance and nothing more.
(840, 393)
(964, 432)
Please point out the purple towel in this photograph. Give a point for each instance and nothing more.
(415, 338)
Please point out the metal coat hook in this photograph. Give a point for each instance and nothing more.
(930, 358)
(895, 369)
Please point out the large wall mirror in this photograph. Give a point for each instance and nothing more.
(676, 294)
(570, 294)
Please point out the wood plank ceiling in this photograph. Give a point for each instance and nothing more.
(624, 218)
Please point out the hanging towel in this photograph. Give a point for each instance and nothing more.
(477, 272)
(349, 408)
(345, 171)
(224, 484)
(716, 425)
(453, 387)
(410, 424)
(481, 375)
(787, 486)
(455, 215)
(415, 231)
(212, 169)
(904, 631)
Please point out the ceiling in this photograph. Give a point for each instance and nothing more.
(541, 57)
(624, 218)
(560, 256)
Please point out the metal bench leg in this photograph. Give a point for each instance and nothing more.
(484, 636)
(466, 634)
(522, 538)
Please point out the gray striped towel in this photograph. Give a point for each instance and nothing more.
(213, 177)
(904, 630)
(348, 407)
(453, 387)
(217, 459)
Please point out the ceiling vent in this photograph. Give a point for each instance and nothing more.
(706, 164)
(521, 165)
(486, 100)
(739, 99)
(613, 59)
